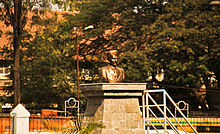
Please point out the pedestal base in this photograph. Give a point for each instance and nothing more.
(116, 107)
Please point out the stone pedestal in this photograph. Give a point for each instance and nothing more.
(116, 106)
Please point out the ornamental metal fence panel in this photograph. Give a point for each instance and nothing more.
(51, 123)
(40, 123)
(5, 123)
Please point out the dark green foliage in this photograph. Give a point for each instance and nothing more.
(14, 13)
(184, 41)
(90, 127)
(136, 65)
(124, 17)
(180, 38)
(48, 71)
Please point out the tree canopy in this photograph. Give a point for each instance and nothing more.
(179, 39)
(48, 71)
(183, 41)
(15, 13)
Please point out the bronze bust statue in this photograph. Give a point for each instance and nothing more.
(112, 73)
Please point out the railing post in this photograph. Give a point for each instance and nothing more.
(20, 120)
(143, 108)
(165, 113)
(148, 114)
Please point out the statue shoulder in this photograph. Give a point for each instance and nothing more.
(121, 69)
(103, 68)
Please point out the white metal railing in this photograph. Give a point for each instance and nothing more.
(154, 111)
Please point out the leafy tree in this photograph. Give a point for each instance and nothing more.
(177, 37)
(48, 68)
(117, 25)
(14, 13)
(115, 22)
(129, 62)
(14, 18)
(184, 41)
(40, 76)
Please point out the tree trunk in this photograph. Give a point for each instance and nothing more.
(17, 31)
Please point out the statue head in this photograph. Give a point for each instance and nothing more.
(111, 73)
(112, 57)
